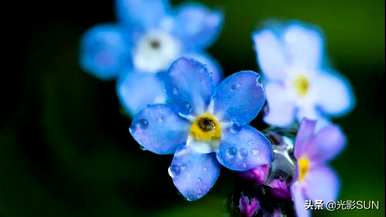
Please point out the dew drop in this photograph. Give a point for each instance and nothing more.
(182, 167)
(142, 124)
(161, 118)
(174, 171)
(200, 192)
(243, 153)
(255, 152)
(231, 152)
(251, 143)
(175, 91)
(244, 165)
(235, 128)
(187, 109)
(190, 196)
(235, 86)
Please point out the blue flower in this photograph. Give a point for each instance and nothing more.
(299, 82)
(147, 39)
(204, 126)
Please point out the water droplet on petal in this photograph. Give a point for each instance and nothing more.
(235, 86)
(255, 152)
(187, 108)
(244, 165)
(231, 152)
(235, 128)
(182, 167)
(174, 171)
(190, 196)
(161, 119)
(141, 124)
(251, 143)
(200, 192)
(175, 91)
(243, 153)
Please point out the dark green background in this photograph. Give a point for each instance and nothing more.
(65, 149)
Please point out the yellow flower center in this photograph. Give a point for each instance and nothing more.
(301, 85)
(206, 128)
(303, 168)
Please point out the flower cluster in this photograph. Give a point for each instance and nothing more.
(299, 171)
(181, 106)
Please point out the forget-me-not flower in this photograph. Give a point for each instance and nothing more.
(314, 179)
(147, 39)
(248, 207)
(204, 126)
(252, 206)
(298, 81)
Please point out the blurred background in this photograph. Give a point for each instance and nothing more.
(65, 149)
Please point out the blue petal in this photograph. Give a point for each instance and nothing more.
(197, 26)
(271, 55)
(142, 13)
(194, 174)
(304, 44)
(104, 51)
(159, 129)
(132, 95)
(211, 64)
(239, 98)
(189, 85)
(335, 95)
(294, 44)
(282, 107)
(244, 148)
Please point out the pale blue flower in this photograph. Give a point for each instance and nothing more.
(298, 81)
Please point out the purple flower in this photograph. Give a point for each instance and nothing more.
(258, 175)
(248, 208)
(277, 213)
(280, 189)
(204, 126)
(299, 82)
(314, 179)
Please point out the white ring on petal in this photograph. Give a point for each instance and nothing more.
(310, 97)
(152, 58)
(202, 147)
